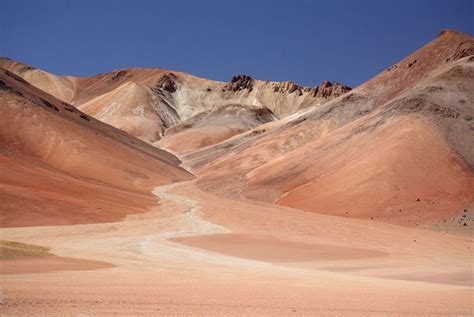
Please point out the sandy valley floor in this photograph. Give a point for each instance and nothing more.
(188, 259)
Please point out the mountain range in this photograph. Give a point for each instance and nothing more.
(158, 176)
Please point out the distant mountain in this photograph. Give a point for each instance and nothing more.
(146, 102)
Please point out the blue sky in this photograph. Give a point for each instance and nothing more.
(304, 41)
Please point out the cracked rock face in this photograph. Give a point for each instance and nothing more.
(328, 90)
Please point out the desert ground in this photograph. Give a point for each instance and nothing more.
(153, 192)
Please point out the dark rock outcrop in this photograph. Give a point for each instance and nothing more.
(328, 90)
(240, 82)
(167, 82)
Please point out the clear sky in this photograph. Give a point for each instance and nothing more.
(304, 41)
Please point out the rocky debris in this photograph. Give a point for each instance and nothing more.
(328, 90)
(240, 82)
(167, 82)
(464, 49)
(83, 116)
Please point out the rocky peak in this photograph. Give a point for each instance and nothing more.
(330, 90)
(290, 87)
(240, 82)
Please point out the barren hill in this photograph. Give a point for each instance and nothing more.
(387, 143)
(61, 166)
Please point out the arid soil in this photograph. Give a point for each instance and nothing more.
(196, 256)
(153, 192)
